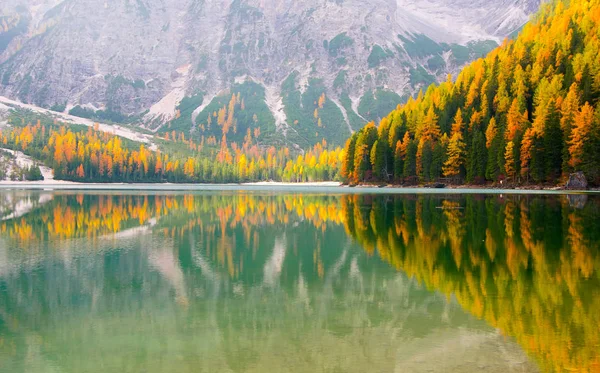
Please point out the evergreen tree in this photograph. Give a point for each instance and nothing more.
(553, 144)
(493, 144)
(377, 160)
(410, 163)
(477, 160)
(437, 162)
(425, 160)
(34, 173)
(568, 111)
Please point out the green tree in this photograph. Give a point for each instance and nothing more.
(477, 161)
(410, 163)
(553, 145)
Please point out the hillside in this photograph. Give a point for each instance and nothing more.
(528, 112)
(169, 65)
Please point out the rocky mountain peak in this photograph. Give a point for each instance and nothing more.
(146, 61)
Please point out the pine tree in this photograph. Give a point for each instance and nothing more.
(438, 159)
(493, 144)
(568, 111)
(410, 163)
(425, 160)
(553, 144)
(477, 160)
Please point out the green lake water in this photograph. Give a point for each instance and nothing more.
(298, 281)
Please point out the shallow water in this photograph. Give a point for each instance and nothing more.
(254, 281)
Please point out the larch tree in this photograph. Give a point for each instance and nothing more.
(581, 137)
(568, 110)
(510, 165)
(456, 148)
(526, 151)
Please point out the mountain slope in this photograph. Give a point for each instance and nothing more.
(136, 61)
(529, 111)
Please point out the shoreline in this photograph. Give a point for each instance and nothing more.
(267, 186)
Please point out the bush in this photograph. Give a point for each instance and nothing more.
(102, 115)
(34, 173)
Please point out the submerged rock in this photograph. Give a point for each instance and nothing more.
(577, 181)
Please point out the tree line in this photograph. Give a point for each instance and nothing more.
(89, 155)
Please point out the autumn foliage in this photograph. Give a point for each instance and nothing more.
(494, 257)
(94, 156)
(528, 112)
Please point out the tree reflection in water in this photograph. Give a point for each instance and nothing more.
(277, 280)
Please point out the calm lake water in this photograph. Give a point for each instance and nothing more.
(298, 282)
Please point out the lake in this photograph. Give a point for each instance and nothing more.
(298, 281)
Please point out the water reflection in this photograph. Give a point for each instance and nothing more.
(298, 282)
(526, 265)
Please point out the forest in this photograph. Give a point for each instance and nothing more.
(86, 154)
(526, 113)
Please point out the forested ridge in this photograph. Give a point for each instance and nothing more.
(527, 113)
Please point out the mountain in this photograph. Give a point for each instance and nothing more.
(169, 65)
(527, 112)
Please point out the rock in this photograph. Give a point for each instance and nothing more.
(577, 181)
(435, 186)
(138, 56)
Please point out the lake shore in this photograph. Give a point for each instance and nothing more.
(267, 186)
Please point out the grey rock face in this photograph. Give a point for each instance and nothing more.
(577, 181)
(131, 56)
